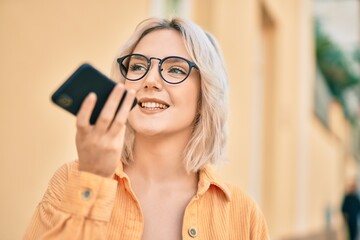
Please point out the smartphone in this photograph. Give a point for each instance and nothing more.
(84, 80)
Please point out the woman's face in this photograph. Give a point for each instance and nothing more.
(164, 108)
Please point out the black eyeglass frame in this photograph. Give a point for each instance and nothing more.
(121, 59)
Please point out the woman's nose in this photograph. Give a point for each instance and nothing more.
(153, 78)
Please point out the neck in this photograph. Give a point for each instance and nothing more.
(159, 158)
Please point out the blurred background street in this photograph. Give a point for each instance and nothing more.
(294, 72)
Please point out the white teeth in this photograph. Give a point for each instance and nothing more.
(153, 105)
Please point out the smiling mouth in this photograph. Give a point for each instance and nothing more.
(153, 105)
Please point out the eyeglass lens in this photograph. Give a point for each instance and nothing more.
(172, 69)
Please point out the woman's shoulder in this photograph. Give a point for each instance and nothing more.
(233, 193)
(241, 200)
(237, 197)
(245, 211)
(242, 209)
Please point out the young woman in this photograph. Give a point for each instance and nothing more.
(146, 173)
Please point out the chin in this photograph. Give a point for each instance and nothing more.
(149, 130)
(150, 133)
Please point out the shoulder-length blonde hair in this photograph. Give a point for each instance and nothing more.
(208, 141)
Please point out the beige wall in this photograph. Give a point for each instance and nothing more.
(41, 43)
(265, 98)
(292, 165)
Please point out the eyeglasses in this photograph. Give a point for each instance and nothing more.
(172, 69)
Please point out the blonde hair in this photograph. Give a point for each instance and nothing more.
(208, 141)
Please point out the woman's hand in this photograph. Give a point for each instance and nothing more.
(100, 146)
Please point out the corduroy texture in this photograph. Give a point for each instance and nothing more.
(79, 205)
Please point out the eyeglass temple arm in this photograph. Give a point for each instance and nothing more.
(119, 60)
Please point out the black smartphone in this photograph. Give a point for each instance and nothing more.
(84, 80)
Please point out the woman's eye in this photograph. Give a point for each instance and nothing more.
(137, 67)
(176, 70)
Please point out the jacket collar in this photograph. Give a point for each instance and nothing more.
(207, 179)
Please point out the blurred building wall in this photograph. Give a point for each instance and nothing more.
(291, 164)
(279, 151)
(41, 43)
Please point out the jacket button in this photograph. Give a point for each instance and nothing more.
(192, 232)
(86, 194)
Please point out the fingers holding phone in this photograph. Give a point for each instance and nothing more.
(123, 113)
(100, 146)
(110, 108)
(84, 114)
(102, 108)
(86, 79)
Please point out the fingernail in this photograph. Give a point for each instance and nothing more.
(92, 95)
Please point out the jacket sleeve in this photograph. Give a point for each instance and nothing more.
(76, 205)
